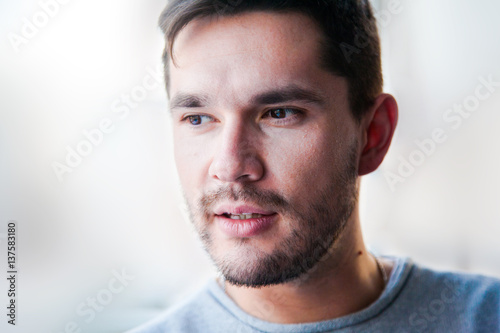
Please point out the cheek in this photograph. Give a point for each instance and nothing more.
(190, 160)
(301, 163)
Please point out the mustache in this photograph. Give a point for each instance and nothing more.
(265, 198)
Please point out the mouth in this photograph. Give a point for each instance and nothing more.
(239, 211)
(244, 221)
(244, 216)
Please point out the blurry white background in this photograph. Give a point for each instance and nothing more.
(120, 206)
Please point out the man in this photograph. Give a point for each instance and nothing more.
(277, 111)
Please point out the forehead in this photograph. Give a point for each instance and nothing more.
(247, 52)
(256, 32)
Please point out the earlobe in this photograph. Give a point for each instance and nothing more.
(378, 126)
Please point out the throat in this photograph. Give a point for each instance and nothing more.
(347, 289)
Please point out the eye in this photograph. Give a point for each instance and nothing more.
(198, 119)
(282, 113)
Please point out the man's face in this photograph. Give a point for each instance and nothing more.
(265, 145)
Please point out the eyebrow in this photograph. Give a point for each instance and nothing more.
(275, 96)
(288, 94)
(183, 100)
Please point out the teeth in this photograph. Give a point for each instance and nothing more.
(244, 216)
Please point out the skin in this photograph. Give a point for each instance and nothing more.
(232, 141)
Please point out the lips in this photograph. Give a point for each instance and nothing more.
(243, 221)
(241, 209)
(243, 216)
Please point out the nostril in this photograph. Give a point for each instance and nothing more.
(236, 162)
(244, 177)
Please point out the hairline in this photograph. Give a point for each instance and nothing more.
(323, 41)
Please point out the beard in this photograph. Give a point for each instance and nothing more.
(314, 229)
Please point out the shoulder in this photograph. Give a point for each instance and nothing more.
(470, 286)
(431, 295)
(190, 315)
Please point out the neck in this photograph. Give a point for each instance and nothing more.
(347, 280)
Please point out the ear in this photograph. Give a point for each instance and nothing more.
(378, 128)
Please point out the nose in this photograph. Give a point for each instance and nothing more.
(237, 157)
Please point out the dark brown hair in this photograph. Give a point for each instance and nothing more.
(350, 46)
